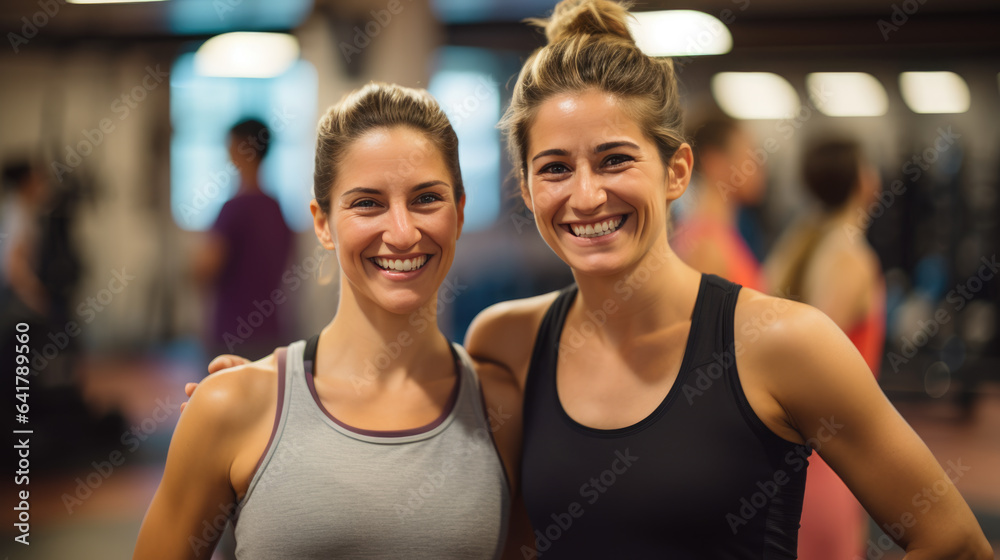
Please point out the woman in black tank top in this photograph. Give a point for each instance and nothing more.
(670, 414)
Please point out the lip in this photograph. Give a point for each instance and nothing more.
(594, 221)
(595, 241)
(399, 275)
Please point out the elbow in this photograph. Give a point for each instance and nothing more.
(983, 551)
(972, 546)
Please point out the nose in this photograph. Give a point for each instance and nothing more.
(401, 231)
(588, 195)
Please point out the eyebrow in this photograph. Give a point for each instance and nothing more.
(600, 148)
(552, 152)
(370, 190)
(612, 145)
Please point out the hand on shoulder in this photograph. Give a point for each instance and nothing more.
(237, 395)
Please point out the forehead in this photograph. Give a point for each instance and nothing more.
(388, 157)
(588, 117)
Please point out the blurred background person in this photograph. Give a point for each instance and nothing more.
(825, 260)
(25, 195)
(707, 236)
(245, 254)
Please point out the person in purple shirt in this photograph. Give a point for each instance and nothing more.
(247, 250)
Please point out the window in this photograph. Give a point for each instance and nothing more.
(203, 109)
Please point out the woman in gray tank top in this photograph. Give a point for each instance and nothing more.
(372, 440)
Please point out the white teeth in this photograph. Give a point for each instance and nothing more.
(597, 230)
(401, 265)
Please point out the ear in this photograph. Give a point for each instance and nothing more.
(679, 171)
(870, 182)
(526, 195)
(461, 215)
(321, 224)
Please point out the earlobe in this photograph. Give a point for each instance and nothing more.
(461, 215)
(679, 171)
(526, 196)
(321, 222)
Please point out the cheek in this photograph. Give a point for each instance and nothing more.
(441, 227)
(354, 233)
(545, 196)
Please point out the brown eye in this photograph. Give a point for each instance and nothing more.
(554, 168)
(428, 198)
(617, 159)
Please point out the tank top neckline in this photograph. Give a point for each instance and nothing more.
(401, 436)
(675, 388)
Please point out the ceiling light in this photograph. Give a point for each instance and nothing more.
(680, 33)
(847, 94)
(934, 92)
(755, 95)
(246, 55)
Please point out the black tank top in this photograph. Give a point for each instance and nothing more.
(700, 477)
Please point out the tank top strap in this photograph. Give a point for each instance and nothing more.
(725, 355)
(704, 336)
(539, 394)
(470, 391)
(286, 380)
(309, 353)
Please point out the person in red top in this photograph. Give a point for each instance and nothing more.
(824, 260)
(707, 237)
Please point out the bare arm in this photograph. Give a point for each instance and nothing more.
(209, 259)
(503, 399)
(832, 400)
(197, 486)
(501, 340)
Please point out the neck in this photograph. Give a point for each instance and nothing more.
(388, 348)
(716, 201)
(249, 182)
(852, 218)
(656, 292)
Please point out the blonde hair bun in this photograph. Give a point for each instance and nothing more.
(571, 18)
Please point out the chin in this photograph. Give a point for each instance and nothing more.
(402, 302)
(598, 265)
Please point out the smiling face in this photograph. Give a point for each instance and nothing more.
(596, 184)
(393, 218)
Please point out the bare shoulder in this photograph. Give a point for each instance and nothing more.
(504, 333)
(794, 360)
(238, 396)
(846, 252)
(771, 327)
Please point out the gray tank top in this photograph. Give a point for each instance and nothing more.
(324, 489)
